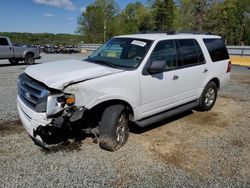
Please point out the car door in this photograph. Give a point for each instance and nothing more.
(5, 49)
(177, 84)
(192, 69)
(159, 91)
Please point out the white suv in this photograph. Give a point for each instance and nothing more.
(140, 78)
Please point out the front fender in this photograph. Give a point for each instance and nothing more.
(92, 97)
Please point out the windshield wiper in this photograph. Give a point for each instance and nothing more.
(104, 62)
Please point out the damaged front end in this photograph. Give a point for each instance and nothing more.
(50, 116)
(65, 125)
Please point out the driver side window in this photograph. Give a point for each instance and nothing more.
(166, 51)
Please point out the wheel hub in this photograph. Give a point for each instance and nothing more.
(121, 128)
(210, 96)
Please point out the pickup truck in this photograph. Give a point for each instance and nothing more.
(132, 79)
(15, 53)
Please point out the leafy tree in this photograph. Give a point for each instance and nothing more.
(229, 18)
(97, 22)
(136, 17)
(193, 13)
(163, 14)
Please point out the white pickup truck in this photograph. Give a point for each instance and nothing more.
(15, 53)
(133, 79)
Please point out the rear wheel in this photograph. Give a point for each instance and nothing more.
(208, 97)
(114, 130)
(13, 61)
(29, 59)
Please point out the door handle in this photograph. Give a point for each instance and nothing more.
(175, 77)
(10, 48)
(205, 70)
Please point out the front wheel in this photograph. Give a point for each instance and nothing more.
(114, 130)
(13, 61)
(29, 59)
(208, 97)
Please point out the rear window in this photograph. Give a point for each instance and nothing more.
(216, 49)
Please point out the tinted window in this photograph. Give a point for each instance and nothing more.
(216, 49)
(190, 52)
(165, 50)
(3, 42)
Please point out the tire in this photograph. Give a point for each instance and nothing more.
(113, 130)
(13, 61)
(29, 59)
(208, 97)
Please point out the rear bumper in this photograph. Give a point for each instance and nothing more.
(39, 57)
(31, 119)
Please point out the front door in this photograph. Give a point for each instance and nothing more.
(5, 49)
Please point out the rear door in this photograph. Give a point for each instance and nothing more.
(6, 50)
(192, 69)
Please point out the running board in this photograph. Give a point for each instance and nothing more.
(167, 114)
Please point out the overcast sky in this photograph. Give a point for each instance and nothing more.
(38, 16)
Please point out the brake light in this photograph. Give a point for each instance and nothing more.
(229, 66)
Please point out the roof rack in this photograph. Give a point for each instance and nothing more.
(195, 32)
(173, 32)
(170, 32)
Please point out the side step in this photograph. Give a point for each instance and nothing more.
(167, 114)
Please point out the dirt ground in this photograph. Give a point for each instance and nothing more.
(180, 142)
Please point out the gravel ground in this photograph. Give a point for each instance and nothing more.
(194, 149)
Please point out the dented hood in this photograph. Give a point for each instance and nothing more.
(60, 74)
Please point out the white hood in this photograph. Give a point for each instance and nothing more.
(60, 74)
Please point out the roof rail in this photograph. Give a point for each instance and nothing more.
(173, 32)
(195, 32)
(170, 32)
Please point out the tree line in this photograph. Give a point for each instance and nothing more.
(43, 38)
(104, 19)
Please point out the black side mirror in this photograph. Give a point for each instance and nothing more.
(157, 67)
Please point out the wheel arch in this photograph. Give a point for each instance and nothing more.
(27, 53)
(104, 104)
(216, 81)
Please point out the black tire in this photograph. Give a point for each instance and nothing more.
(29, 59)
(208, 97)
(113, 130)
(13, 61)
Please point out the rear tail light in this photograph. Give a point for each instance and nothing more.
(229, 66)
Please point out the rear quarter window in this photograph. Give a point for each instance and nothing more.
(216, 49)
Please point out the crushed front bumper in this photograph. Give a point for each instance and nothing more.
(30, 119)
(45, 131)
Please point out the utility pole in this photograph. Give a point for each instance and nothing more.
(104, 30)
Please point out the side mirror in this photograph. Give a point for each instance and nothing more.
(157, 67)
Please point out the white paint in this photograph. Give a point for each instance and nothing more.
(59, 74)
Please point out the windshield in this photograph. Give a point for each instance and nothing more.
(121, 52)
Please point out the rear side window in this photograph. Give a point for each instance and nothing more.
(216, 49)
(190, 53)
(3, 42)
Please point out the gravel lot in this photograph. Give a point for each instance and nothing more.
(194, 149)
